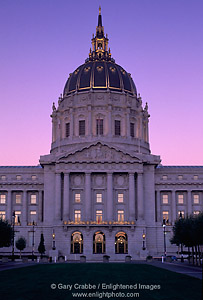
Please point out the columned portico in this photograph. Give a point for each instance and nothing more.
(66, 197)
(57, 196)
(140, 196)
(88, 196)
(132, 196)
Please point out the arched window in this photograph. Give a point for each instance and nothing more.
(76, 242)
(99, 242)
(121, 243)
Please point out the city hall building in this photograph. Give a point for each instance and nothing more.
(100, 191)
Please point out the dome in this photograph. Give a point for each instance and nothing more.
(100, 72)
(100, 75)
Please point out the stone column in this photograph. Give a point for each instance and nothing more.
(140, 197)
(88, 207)
(71, 123)
(109, 196)
(109, 120)
(89, 120)
(158, 206)
(132, 196)
(40, 207)
(127, 123)
(189, 203)
(66, 197)
(23, 218)
(9, 207)
(173, 201)
(57, 196)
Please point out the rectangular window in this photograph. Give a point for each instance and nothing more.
(3, 177)
(120, 215)
(195, 177)
(77, 198)
(18, 177)
(180, 177)
(34, 177)
(117, 127)
(165, 216)
(98, 216)
(120, 198)
(2, 215)
(196, 212)
(18, 198)
(132, 129)
(33, 216)
(33, 199)
(196, 198)
(77, 216)
(165, 198)
(180, 199)
(82, 127)
(2, 199)
(17, 217)
(99, 124)
(99, 198)
(164, 177)
(67, 129)
(181, 214)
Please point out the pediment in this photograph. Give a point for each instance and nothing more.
(98, 153)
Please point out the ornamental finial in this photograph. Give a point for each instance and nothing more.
(100, 10)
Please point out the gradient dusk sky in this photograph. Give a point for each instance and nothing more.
(160, 42)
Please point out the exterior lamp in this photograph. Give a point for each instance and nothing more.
(164, 230)
(33, 239)
(143, 241)
(53, 237)
(13, 235)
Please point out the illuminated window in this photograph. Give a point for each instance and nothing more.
(196, 198)
(99, 198)
(33, 199)
(99, 126)
(120, 198)
(67, 129)
(164, 177)
(77, 242)
(99, 242)
(121, 243)
(120, 215)
(180, 177)
(34, 177)
(98, 216)
(33, 216)
(17, 217)
(77, 198)
(82, 127)
(2, 199)
(18, 198)
(117, 127)
(196, 212)
(165, 198)
(195, 177)
(181, 214)
(18, 177)
(2, 215)
(165, 216)
(180, 199)
(77, 216)
(3, 177)
(132, 129)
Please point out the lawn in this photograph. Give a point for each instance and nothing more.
(147, 282)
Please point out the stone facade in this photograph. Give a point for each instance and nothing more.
(100, 191)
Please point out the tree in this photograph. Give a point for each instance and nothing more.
(21, 244)
(6, 234)
(41, 248)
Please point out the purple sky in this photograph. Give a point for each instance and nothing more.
(159, 42)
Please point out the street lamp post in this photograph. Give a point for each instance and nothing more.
(143, 240)
(182, 259)
(164, 229)
(33, 239)
(13, 234)
(53, 236)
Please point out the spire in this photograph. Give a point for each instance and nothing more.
(99, 18)
(100, 49)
